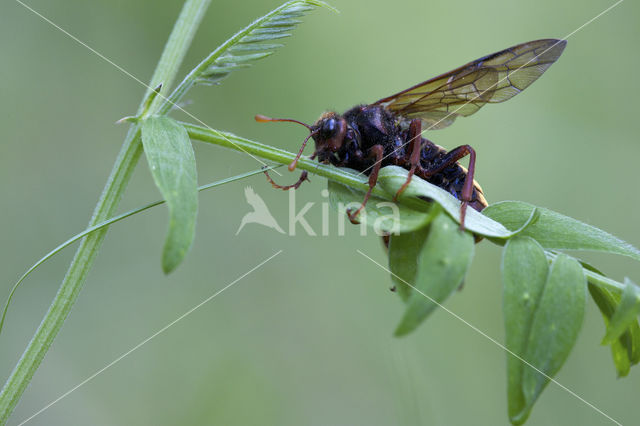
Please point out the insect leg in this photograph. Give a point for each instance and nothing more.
(378, 151)
(415, 137)
(303, 177)
(451, 158)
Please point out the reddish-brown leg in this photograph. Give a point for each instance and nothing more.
(378, 152)
(303, 177)
(415, 137)
(467, 187)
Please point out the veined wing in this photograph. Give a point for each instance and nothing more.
(463, 91)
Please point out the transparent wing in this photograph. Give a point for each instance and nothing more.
(463, 91)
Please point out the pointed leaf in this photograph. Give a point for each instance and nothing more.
(555, 231)
(231, 59)
(442, 265)
(254, 48)
(524, 274)
(404, 253)
(173, 166)
(625, 350)
(381, 215)
(254, 41)
(554, 330)
(625, 314)
(391, 178)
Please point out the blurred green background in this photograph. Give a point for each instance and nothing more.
(306, 339)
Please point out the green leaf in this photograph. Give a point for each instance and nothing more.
(554, 330)
(382, 215)
(555, 231)
(524, 274)
(391, 178)
(254, 42)
(441, 266)
(625, 314)
(404, 253)
(625, 350)
(173, 166)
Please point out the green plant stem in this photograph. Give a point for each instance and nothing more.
(593, 277)
(111, 221)
(172, 56)
(340, 175)
(602, 281)
(358, 181)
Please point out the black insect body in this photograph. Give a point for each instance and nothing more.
(389, 131)
(371, 125)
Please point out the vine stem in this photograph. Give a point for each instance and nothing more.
(336, 174)
(340, 175)
(108, 222)
(169, 64)
(593, 277)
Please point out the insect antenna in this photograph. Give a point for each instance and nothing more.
(264, 119)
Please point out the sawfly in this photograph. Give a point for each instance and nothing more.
(389, 131)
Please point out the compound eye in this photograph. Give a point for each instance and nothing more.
(329, 127)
